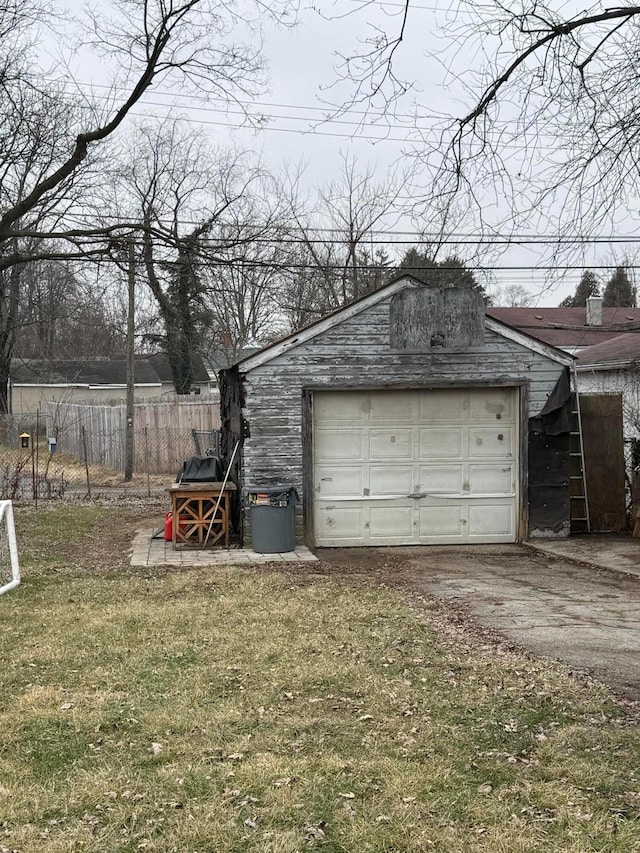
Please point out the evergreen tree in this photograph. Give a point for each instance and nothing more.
(451, 272)
(587, 286)
(619, 292)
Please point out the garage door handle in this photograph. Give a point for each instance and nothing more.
(463, 496)
(449, 496)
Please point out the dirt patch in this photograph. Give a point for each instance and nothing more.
(514, 598)
(82, 535)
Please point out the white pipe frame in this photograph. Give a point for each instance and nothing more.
(6, 517)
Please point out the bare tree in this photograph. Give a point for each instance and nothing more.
(53, 141)
(551, 116)
(157, 42)
(65, 314)
(554, 113)
(511, 296)
(208, 241)
(339, 257)
(243, 298)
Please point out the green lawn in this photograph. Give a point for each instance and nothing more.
(232, 710)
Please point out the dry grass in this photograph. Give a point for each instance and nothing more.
(63, 472)
(260, 711)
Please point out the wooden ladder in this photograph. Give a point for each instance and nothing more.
(580, 521)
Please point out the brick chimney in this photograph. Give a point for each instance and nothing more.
(594, 311)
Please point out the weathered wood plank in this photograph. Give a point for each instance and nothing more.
(162, 432)
(423, 319)
(604, 461)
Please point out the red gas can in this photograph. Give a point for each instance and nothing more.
(168, 526)
(168, 532)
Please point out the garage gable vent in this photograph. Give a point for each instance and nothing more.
(424, 319)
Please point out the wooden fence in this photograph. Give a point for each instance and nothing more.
(163, 433)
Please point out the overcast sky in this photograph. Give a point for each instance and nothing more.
(304, 83)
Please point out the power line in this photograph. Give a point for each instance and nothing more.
(242, 112)
(255, 103)
(364, 3)
(373, 268)
(254, 123)
(416, 237)
(298, 130)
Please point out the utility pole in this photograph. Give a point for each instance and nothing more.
(129, 448)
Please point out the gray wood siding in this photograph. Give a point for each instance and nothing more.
(356, 354)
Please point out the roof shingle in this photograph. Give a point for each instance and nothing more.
(567, 327)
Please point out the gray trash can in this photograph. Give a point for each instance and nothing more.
(273, 510)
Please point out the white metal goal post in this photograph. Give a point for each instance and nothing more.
(9, 567)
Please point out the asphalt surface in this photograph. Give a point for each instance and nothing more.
(582, 614)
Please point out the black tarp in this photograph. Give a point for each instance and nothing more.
(550, 461)
(200, 469)
(556, 413)
(549, 467)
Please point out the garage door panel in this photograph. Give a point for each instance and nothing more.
(489, 520)
(441, 443)
(339, 444)
(344, 408)
(390, 480)
(436, 406)
(442, 479)
(491, 479)
(338, 522)
(391, 407)
(491, 405)
(388, 523)
(387, 444)
(339, 481)
(445, 520)
(494, 442)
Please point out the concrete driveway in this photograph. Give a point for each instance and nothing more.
(585, 615)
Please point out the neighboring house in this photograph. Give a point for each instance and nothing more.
(606, 342)
(220, 358)
(614, 366)
(36, 383)
(570, 329)
(407, 417)
(202, 381)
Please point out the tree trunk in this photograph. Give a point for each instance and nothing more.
(5, 370)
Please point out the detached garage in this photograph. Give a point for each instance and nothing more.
(406, 418)
(415, 467)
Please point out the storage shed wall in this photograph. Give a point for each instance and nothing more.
(356, 354)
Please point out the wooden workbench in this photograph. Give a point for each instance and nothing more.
(192, 505)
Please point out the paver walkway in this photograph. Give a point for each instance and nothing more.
(157, 552)
(617, 553)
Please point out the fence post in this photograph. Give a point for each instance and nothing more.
(146, 459)
(86, 461)
(36, 448)
(129, 435)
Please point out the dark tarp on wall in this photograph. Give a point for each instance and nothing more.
(556, 412)
(550, 462)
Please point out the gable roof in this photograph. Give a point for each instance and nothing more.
(80, 372)
(567, 327)
(147, 370)
(220, 358)
(160, 363)
(338, 316)
(616, 352)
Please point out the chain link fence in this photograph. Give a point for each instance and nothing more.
(42, 458)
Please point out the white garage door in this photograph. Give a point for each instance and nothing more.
(415, 467)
